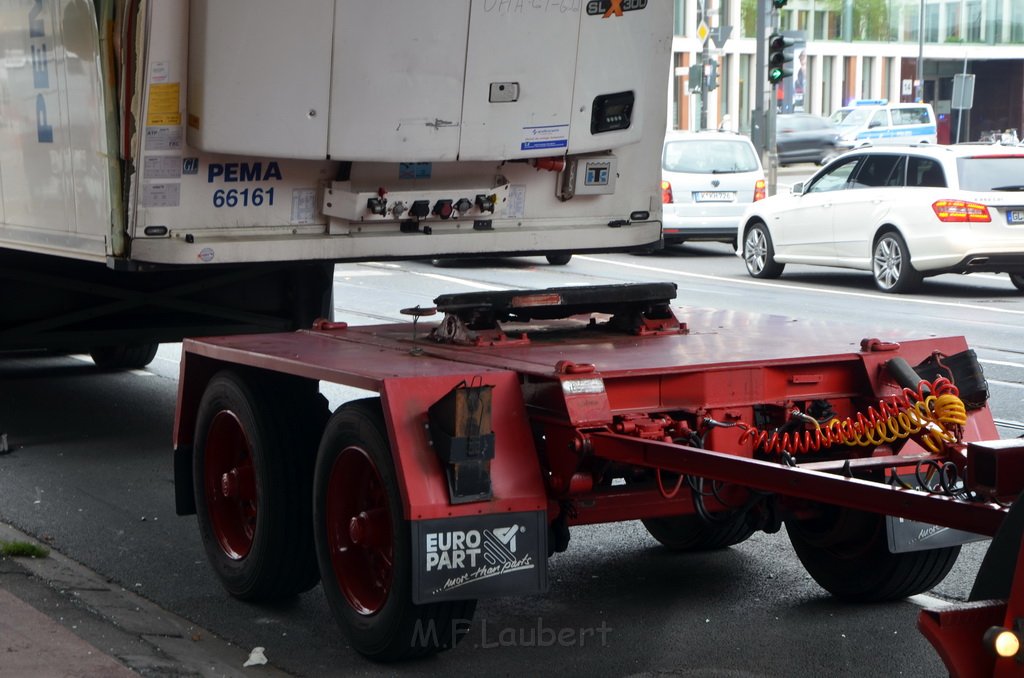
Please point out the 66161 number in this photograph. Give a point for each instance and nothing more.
(244, 197)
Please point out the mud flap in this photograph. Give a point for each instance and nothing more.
(479, 556)
(911, 535)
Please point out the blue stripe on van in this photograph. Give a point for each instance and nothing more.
(900, 131)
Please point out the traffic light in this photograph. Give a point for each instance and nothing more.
(713, 76)
(780, 56)
(695, 79)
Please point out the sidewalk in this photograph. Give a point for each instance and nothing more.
(59, 619)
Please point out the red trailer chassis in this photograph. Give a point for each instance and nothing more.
(486, 444)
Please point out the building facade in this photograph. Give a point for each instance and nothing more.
(858, 49)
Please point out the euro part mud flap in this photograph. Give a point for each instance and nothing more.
(479, 556)
(910, 535)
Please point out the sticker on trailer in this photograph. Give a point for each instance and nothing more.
(164, 105)
(303, 205)
(162, 167)
(478, 556)
(545, 136)
(164, 139)
(161, 195)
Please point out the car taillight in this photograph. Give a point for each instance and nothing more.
(759, 190)
(960, 211)
(666, 193)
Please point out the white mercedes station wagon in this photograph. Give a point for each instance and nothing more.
(902, 213)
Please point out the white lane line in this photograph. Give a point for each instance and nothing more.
(757, 283)
(461, 281)
(341, 275)
(1010, 384)
(1004, 363)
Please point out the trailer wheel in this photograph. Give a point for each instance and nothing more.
(123, 356)
(847, 553)
(252, 473)
(364, 545)
(691, 533)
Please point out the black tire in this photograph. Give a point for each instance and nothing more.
(257, 435)
(759, 253)
(847, 553)
(124, 357)
(891, 267)
(355, 472)
(690, 533)
(558, 259)
(1018, 281)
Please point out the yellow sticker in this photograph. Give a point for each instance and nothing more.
(164, 107)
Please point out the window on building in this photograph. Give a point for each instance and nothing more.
(953, 21)
(931, 23)
(867, 69)
(972, 18)
(992, 23)
(1017, 22)
(680, 18)
(911, 23)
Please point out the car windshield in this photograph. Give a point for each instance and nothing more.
(707, 156)
(856, 117)
(992, 173)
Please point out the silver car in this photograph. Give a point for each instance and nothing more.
(707, 180)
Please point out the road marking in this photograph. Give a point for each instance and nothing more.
(757, 283)
(341, 275)
(1004, 363)
(462, 281)
(1011, 384)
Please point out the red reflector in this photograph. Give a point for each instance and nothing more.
(528, 300)
(666, 193)
(759, 190)
(960, 211)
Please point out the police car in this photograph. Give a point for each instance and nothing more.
(876, 121)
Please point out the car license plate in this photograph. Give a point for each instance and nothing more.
(714, 196)
(1015, 216)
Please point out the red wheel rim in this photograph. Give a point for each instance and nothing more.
(230, 482)
(359, 531)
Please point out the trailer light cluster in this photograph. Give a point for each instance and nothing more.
(1003, 642)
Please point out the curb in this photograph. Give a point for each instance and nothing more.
(83, 606)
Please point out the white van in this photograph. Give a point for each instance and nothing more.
(876, 121)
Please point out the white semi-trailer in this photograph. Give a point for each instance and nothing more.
(171, 168)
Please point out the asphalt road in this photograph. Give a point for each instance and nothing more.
(90, 474)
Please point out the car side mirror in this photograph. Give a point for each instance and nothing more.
(797, 188)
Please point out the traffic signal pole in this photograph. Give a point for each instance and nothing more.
(704, 56)
(779, 57)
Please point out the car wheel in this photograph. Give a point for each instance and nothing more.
(559, 259)
(1018, 280)
(759, 254)
(891, 265)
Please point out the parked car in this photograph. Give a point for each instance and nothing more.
(707, 180)
(802, 137)
(902, 213)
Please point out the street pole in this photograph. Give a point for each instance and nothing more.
(703, 70)
(773, 149)
(919, 89)
(759, 117)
